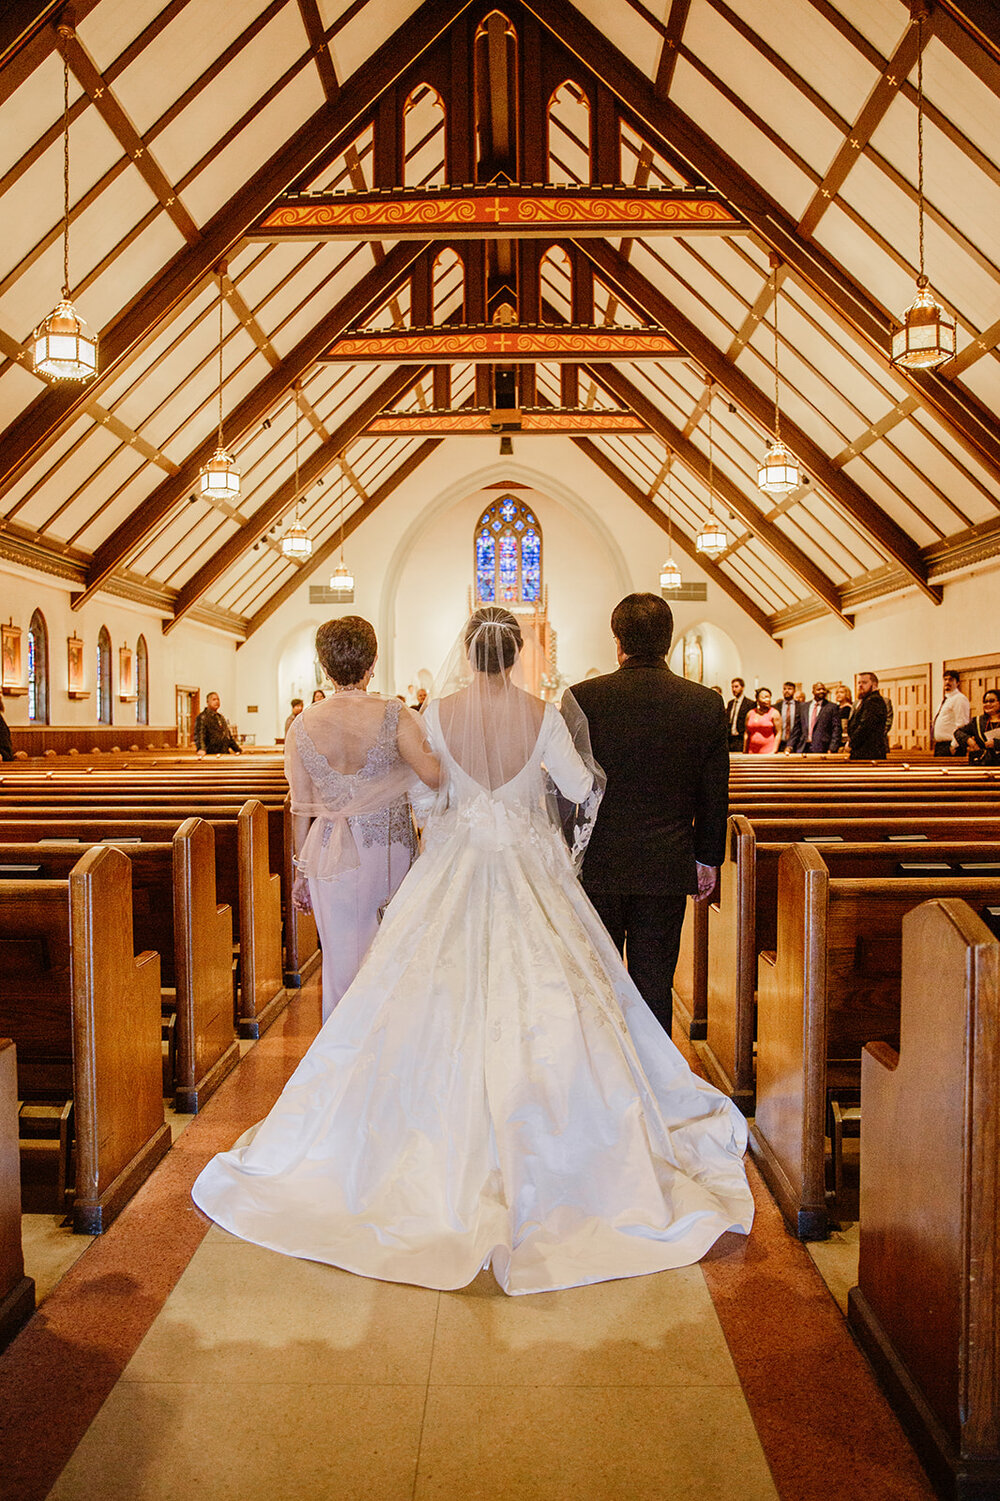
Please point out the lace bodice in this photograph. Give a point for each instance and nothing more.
(333, 790)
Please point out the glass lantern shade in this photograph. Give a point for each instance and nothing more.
(342, 579)
(220, 478)
(927, 337)
(297, 543)
(712, 539)
(778, 473)
(670, 575)
(63, 346)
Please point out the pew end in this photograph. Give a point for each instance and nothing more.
(17, 1292)
(924, 1309)
(263, 995)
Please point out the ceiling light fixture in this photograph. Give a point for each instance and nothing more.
(670, 574)
(778, 473)
(342, 579)
(62, 345)
(712, 540)
(296, 543)
(927, 337)
(220, 478)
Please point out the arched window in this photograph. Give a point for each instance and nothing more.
(508, 555)
(141, 682)
(424, 138)
(38, 670)
(569, 135)
(103, 677)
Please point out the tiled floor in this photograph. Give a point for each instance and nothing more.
(173, 1360)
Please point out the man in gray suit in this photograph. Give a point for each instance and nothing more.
(660, 832)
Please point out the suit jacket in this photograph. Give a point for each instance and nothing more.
(663, 744)
(6, 745)
(826, 730)
(867, 727)
(736, 741)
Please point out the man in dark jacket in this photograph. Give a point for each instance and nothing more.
(737, 709)
(661, 829)
(867, 728)
(817, 725)
(6, 745)
(212, 733)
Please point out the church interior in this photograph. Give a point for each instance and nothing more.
(379, 307)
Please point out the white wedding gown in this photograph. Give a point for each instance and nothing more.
(491, 1089)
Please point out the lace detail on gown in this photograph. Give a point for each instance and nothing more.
(391, 824)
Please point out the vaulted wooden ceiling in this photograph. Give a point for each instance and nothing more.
(296, 157)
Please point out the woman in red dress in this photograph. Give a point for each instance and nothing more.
(763, 726)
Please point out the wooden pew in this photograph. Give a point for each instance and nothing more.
(742, 916)
(85, 1014)
(174, 912)
(17, 1292)
(253, 895)
(925, 1307)
(831, 986)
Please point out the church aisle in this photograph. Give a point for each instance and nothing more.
(177, 1360)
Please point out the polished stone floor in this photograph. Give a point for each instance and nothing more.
(170, 1360)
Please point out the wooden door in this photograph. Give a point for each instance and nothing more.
(188, 701)
(909, 689)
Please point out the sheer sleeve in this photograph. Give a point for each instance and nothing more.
(563, 762)
(577, 782)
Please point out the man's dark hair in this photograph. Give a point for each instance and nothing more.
(298, 701)
(346, 648)
(788, 683)
(741, 682)
(643, 625)
(873, 676)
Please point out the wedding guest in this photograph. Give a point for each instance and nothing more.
(6, 744)
(212, 733)
(737, 709)
(787, 711)
(866, 727)
(763, 726)
(980, 738)
(954, 711)
(799, 696)
(817, 725)
(297, 707)
(319, 696)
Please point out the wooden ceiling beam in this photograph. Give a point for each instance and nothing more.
(313, 23)
(671, 46)
(781, 545)
(362, 300)
(401, 381)
(330, 129)
(671, 131)
(678, 538)
(331, 547)
(635, 289)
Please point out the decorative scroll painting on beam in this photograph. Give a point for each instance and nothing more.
(521, 420)
(476, 213)
(508, 344)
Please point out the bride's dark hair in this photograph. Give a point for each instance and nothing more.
(493, 639)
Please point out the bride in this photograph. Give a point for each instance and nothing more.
(491, 1089)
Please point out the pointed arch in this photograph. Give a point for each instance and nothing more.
(496, 97)
(569, 142)
(424, 132)
(141, 681)
(38, 670)
(104, 699)
(507, 554)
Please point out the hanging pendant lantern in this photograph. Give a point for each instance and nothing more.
(62, 345)
(712, 540)
(670, 574)
(927, 336)
(219, 478)
(297, 543)
(778, 473)
(342, 577)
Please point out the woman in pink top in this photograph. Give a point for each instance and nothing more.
(763, 726)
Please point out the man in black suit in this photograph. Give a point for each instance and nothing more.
(737, 709)
(817, 725)
(787, 709)
(660, 831)
(867, 726)
(6, 744)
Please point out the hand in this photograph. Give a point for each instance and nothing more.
(301, 900)
(706, 880)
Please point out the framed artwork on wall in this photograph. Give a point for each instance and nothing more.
(74, 657)
(10, 657)
(126, 680)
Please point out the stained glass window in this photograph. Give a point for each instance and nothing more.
(508, 555)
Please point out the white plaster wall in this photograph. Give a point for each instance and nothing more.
(193, 655)
(412, 563)
(900, 631)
